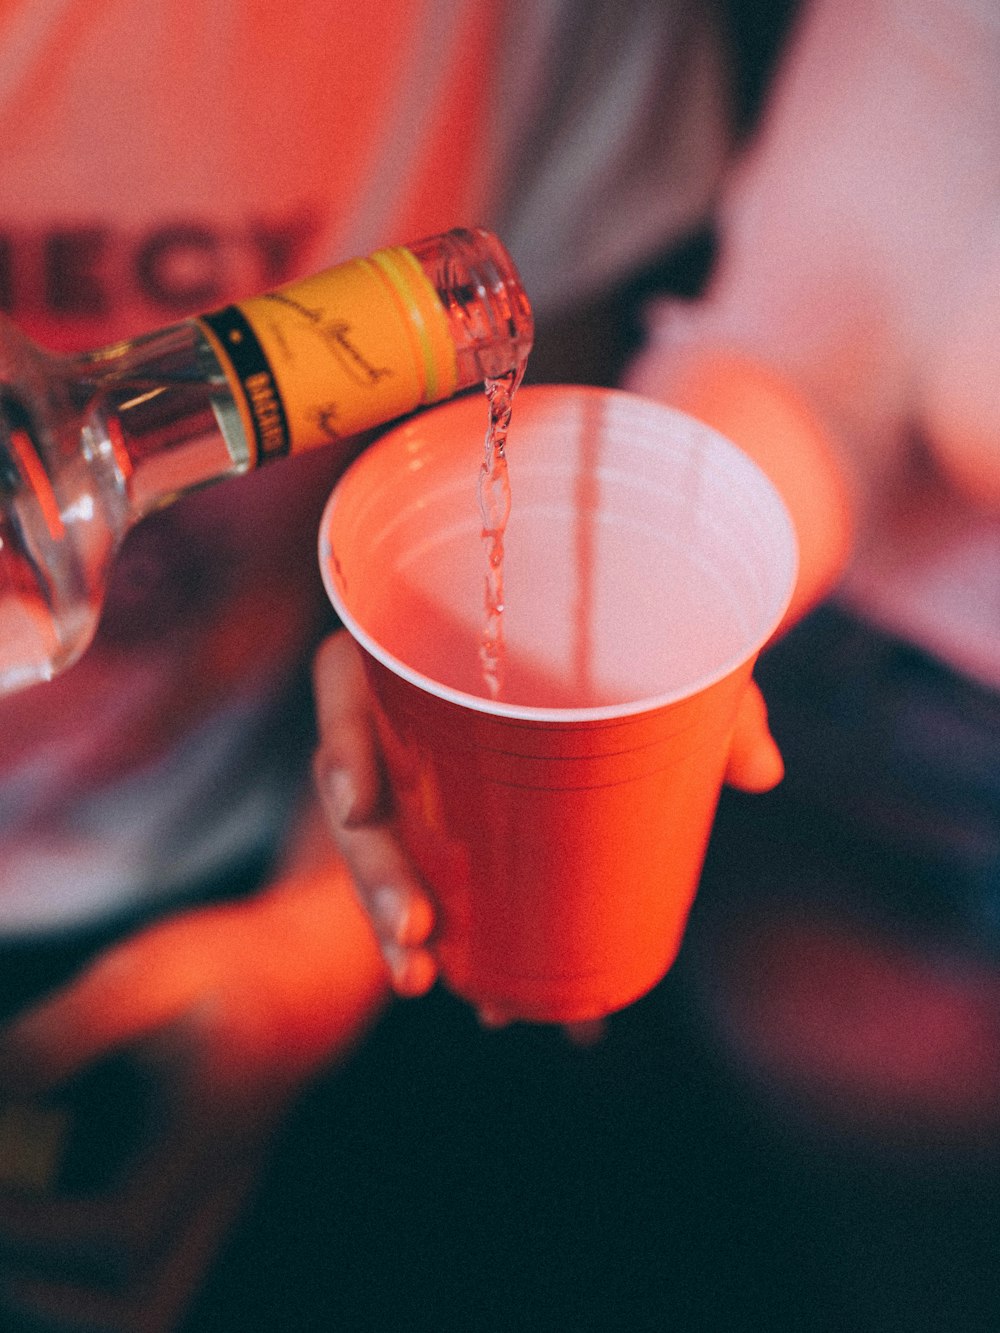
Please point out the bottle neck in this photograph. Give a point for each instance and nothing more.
(316, 363)
(90, 444)
(489, 316)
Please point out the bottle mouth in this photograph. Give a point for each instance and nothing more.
(488, 310)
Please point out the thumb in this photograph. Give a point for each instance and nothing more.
(755, 762)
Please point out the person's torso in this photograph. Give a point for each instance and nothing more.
(160, 158)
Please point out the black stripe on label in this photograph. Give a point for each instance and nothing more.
(263, 401)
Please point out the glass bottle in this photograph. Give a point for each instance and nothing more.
(89, 444)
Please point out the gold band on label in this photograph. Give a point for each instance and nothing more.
(392, 264)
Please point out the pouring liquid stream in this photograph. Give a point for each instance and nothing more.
(494, 509)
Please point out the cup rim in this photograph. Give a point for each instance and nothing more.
(530, 713)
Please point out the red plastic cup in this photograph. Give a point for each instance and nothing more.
(562, 828)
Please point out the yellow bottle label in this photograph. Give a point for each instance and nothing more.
(329, 356)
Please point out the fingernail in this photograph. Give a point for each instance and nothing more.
(405, 917)
(389, 908)
(342, 795)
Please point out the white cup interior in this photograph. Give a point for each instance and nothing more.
(645, 555)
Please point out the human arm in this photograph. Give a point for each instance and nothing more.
(849, 328)
(225, 1011)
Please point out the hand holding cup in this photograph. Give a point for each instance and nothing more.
(553, 837)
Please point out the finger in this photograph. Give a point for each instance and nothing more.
(398, 906)
(346, 766)
(44, 1049)
(413, 971)
(152, 1302)
(135, 987)
(755, 763)
(349, 779)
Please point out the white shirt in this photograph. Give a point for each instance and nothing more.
(861, 256)
(158, 159)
